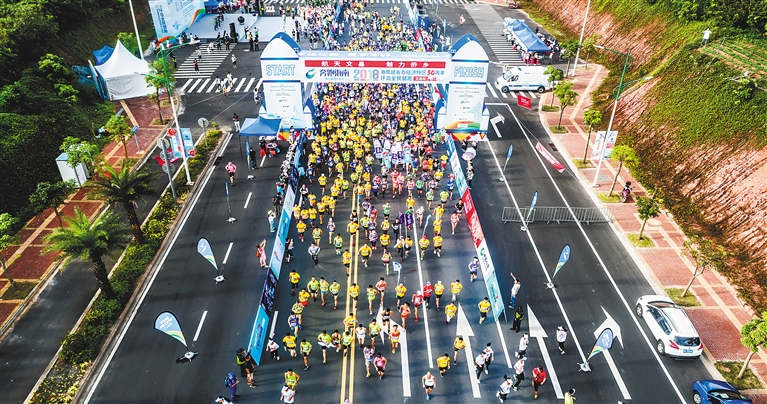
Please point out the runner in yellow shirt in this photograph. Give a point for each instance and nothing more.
(456, 288)
(347, 259)
(458, 344)
(400, 290)
(438, 245)
(294, 278)
(443, 364)
(301, 228)
(350, 322)
(365, 252)
(484, 307)
(423, 243)
(354, 292)
(290, 343)
(450, 310)
(439, 289)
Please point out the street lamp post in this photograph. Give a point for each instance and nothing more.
(135, 27)
(162, 53)
(615, 106)
(580, 41)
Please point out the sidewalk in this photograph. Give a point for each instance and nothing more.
(59, 297)
(720, 315)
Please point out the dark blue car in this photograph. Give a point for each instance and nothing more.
(717, 392)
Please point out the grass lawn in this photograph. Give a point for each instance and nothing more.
(21, 291)
(558, 129)
(676, 295)
(549, 108)
(730, 372)
(645, 242)
(579, 163)
(605, 196)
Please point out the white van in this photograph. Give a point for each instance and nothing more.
(527, 78)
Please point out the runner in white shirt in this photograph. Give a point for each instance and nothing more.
(523, 342)
(361, 334)
(287, 395)
(489, 357)
(429, 382)
(504, 390)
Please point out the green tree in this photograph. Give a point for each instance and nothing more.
(592, 118)
(51, 195)
(79, 152)
(8, 237)
(567, 97)
(154, 98)
(553, 75)
(569, 50)
(625, 155)
(588, 45)
(128, 40)
(647, 208)
(127, 188)
(158, 68)
(753, 335)
(90, 241)
(120, 130)
(705, 254)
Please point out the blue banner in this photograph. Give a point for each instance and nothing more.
(203, 248)
(604, 342)
(508, 156)
(532, 207)
(258, 335)
(563, 257)
(167, 323)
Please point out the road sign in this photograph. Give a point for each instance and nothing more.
(134, 129)
(202, 122)
(163, 144)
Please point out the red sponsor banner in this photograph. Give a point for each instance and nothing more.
(549, 157)
(390, 64)
(523, 101)
(471, 217)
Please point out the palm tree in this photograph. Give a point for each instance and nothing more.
(127, 188)
(90, 241)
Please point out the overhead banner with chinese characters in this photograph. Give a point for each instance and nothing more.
(375, 67)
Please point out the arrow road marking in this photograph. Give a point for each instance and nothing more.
(494, 120)
(613, 325)
(537, 332)
(464, 330)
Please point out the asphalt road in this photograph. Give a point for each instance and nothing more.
(143, 368)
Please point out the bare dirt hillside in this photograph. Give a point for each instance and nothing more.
(720, 189)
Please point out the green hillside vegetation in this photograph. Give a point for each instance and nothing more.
(41, 101)
(701, 102)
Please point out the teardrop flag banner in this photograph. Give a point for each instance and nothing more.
(532, 207)
(166, 322)
(563, 257)
(203, 247)
(508, 156)
(604, 342)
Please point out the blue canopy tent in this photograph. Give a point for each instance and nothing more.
(259, 127)
(103, 54)
(525, 36)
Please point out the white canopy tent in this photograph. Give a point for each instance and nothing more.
(123, 74)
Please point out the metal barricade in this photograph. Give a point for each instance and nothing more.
(550, 214)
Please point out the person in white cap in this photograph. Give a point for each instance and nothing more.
(561, 338)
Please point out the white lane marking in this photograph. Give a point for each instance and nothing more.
(228, 250)
(626, 305)
(250, 83)
(489, 87)
(425, 318)
(503, 345)
(617, 374)
(199, 326)
(262, 161)
(240, 85)
(247, 201)
(532, 95)
(132, 315)
(184, 86)
(196, 82)
(260, 81)
(213, 84)
(464, 330)
(537, 332)
(202, 86)
(274, 323)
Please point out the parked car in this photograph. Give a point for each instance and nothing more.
(716, 392)
(673, 331)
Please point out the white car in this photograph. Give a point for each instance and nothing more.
(673, 331)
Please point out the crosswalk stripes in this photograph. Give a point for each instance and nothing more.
(207, 65)
(510, 94)
(493, 33)
(207, 85)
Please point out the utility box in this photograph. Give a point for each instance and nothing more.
(79, 173)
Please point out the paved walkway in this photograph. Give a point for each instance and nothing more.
(720, 315)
